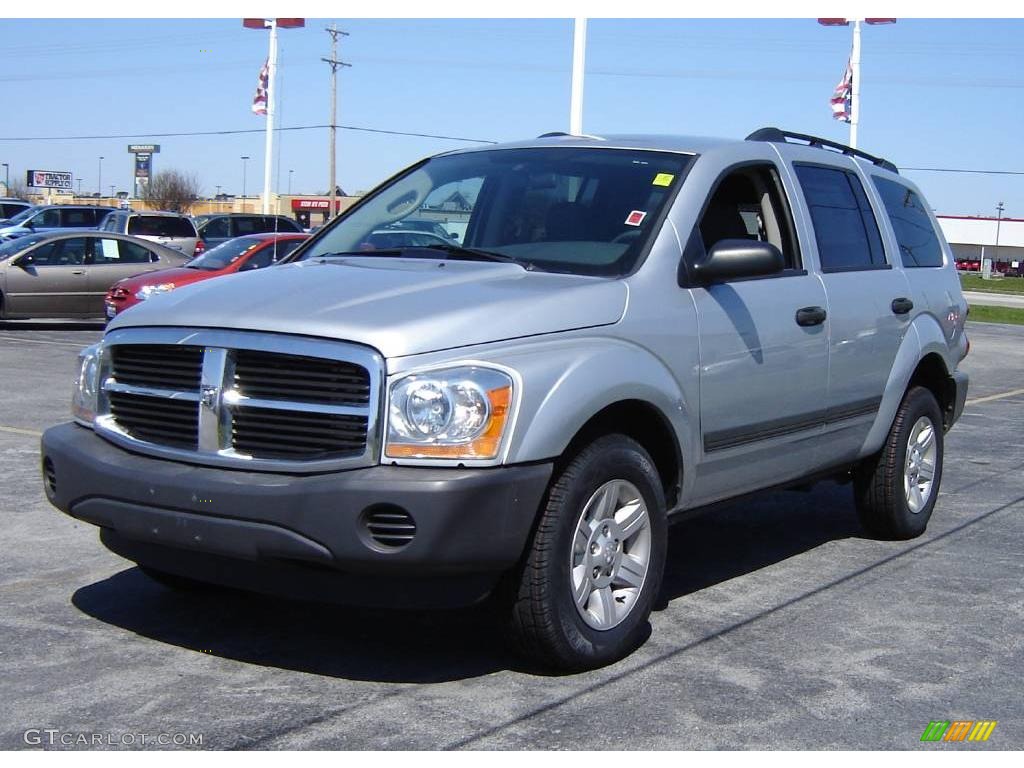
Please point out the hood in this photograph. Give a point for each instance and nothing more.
(397, 306)
(176, 275)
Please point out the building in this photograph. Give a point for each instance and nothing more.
(973, 239)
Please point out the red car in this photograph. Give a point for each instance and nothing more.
(237, 255)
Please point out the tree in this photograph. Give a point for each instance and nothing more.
(172, 190)
(17, 189)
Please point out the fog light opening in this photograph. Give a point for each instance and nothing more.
(388, 526)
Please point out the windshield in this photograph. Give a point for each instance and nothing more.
(565, 209)
(18, 244)
(23, 215)
(224, 254)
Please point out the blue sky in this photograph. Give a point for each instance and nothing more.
(944, 93)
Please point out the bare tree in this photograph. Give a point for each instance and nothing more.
(17, 189)
(172, 190)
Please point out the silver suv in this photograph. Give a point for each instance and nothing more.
(171, 230)
(633, 327)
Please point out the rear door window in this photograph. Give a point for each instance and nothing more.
(915, 234)
(111, 251)
(248, 225)
(77, 217)
(217, 228)
(844, 225)
(47, 218)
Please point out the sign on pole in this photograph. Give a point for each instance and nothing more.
(49, 180)
(143, 166)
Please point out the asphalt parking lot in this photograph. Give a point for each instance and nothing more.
(782, 626)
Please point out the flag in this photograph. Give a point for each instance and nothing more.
(259, 101)
(843, 96)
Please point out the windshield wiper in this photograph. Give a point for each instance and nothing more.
(462, 252)
(451, 251)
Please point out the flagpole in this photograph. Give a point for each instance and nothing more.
(269, 150)
(579, 52)
(855, 85)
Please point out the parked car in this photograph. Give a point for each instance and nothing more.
(217, 228)
(11, 206)
(173, 230)
(426, 225)
(397, 238)
(239, 255)
(633, 328)
(67, 274)
(50, 218)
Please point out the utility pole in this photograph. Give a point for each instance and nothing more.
(99, 178)
(290, 172)
(244, 159)
(335, 33)
(999, 220)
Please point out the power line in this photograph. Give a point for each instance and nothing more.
(247, 130)
(963, 170)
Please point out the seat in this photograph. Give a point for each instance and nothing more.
(722, 219)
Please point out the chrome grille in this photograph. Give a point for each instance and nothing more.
(157, 365)
(241, 399)
(274, 434)
(294, 377)
(157, 419)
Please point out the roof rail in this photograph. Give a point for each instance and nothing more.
(779, 135)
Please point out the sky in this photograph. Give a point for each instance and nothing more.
(934, 93)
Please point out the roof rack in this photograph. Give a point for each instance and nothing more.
(553, 134)
(779, 135)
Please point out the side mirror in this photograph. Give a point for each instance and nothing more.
(453, 235)
(733, 259)
(25, 261)
(30, 225)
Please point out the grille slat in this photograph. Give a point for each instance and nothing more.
(269, 433)
(162, 365)
(390, 526)
(296, 377)
(157, 419)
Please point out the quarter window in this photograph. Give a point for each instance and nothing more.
(915, 234)
(844, 225)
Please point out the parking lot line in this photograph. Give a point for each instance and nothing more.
(20, 431)
(71, 344)
(1000, 396)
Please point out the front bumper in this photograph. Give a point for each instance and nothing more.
(257, 529)
(960, 381)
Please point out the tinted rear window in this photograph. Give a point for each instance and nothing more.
(919, 247)
(161, 226)
(844, 225)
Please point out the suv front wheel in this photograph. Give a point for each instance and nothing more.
(896, 488)
(596, 559)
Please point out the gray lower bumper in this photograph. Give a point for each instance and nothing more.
(467, 520)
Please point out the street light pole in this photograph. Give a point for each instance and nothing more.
(217, 199)
(99, 178)
(244, 159)
(79, 187)
(290, 172)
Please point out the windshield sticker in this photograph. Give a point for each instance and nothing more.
(636, 218)
(663, 179)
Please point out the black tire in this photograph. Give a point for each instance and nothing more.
(879, 492)
(546, 623)
(173, 581)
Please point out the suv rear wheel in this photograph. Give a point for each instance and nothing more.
(896, 488)
(596, 559)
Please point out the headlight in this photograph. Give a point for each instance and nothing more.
(456, 413)
(152, 290)
(83, 400)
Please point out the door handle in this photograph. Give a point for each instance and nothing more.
(78, 272)
(902, 305)
(809, 316)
